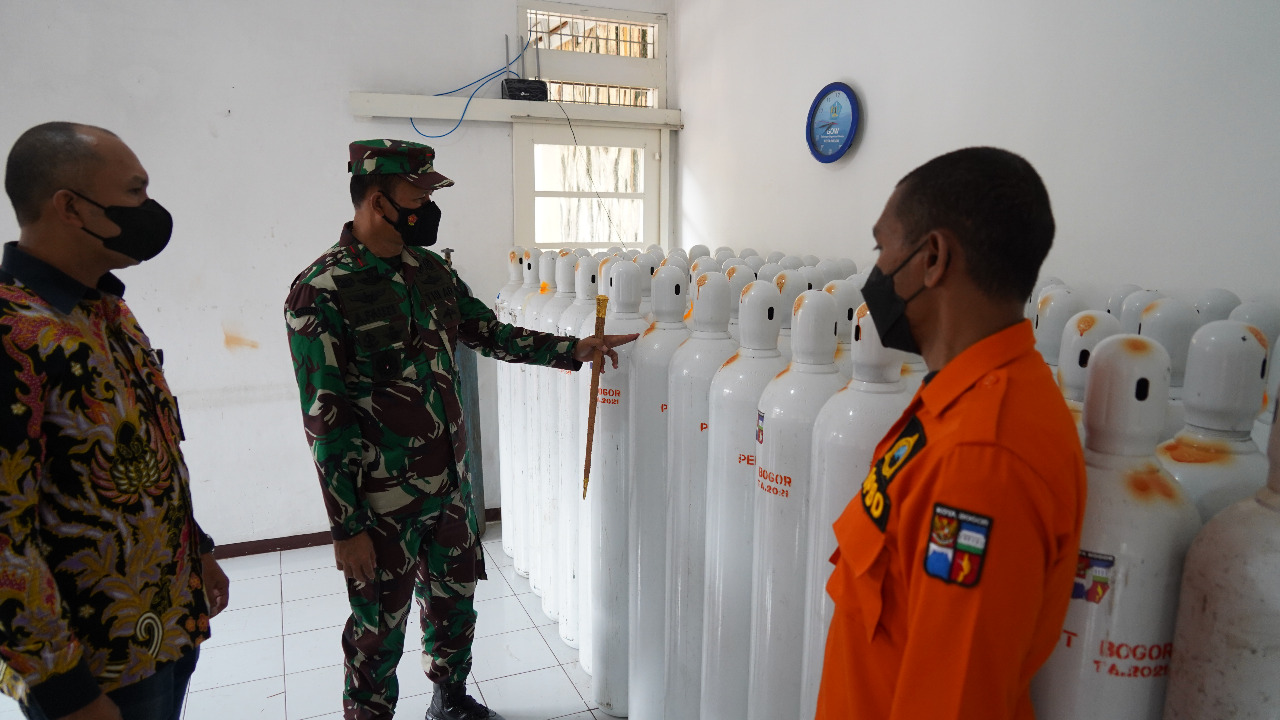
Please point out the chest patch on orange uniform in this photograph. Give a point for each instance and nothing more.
(875, 489)
(957, 545)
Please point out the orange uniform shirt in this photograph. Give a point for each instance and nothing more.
(955, 562)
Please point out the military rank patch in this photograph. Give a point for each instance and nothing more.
(1093, 576)
(957, 545)
(875, 489)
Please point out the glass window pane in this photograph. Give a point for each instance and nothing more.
(578, 168)
(599, 221)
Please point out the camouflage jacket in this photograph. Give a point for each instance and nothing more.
(99, 551)
(372, 348)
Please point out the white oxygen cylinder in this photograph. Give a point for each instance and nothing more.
(817, 280)
(845, 435)
(502, 309)
(1213, 458)
(517, 520)
(748, 252)
(1171, 323)
(831, 271)
(1042, 284)
(811, 260)
(1115, 301)
(775, 256)
(847, 296)
(1112, 658)
(1057, 305)
(1228, 631)
(647, 505)
(607, 495)
(648, 264)
(848, 268)
(768, 271)
(791, 262)
(1266, 317)
(790, 285)
(1079, 339)
(755, 262)
(734, 400)
(1131, 310)
(693, 366)
(550, 431)
(722, 254)
(587, 511)
(569, 434)
(1216, 304)
(656, 251)
(739, 277)
(537, 475)
(699, 251)
(789, 406)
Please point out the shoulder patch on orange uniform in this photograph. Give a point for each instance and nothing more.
(957, 545)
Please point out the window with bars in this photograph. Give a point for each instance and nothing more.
(596, 94)
(566, 45)
(576, 33)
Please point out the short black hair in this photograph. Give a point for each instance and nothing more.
(998, 208)
(362, 185)
(44, 160)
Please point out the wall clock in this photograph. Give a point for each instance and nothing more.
(833, 122)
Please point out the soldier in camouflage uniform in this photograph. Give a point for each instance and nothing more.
(372, 325)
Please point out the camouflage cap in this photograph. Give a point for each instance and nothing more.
(397, 157)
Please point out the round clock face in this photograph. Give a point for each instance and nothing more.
(833, 122)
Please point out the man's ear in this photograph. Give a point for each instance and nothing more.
(63, 207)
(942, 249)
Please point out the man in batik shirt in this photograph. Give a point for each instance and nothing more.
(373, 324)
(107, 583)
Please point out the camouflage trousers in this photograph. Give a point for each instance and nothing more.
(436, 557)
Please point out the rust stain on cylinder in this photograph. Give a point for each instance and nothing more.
(785, 370)
(1137, 346)
(780, 281)
(652, 326)
(732, 359)
(511, 256)
(1188, 450)
(1262, 339)
(1085, 324)
(1150, 308)
(1044, 303)
(862, 311)
(1149, 484)
(798, 304)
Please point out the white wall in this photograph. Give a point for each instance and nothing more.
(238, 111)
(1152, 124)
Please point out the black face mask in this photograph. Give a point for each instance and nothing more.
(417, 226)
(144, 229)
(888, 311)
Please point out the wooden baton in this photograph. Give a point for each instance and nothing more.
(602, 302)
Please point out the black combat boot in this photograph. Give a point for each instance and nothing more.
(451, 702)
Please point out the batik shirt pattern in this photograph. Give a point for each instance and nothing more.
(372, 343)
(99, 551)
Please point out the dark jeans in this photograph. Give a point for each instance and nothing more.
(158, 697)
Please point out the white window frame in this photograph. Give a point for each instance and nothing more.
(604, 70)
(525, 136)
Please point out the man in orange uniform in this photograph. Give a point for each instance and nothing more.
(955, 561)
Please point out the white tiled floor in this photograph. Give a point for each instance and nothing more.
(276, 654)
